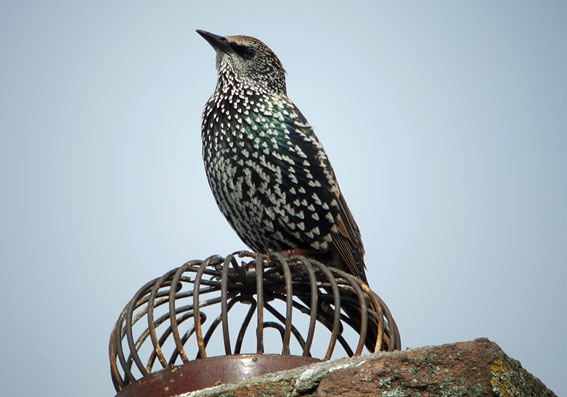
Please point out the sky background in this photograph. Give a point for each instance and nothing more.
(445, 122)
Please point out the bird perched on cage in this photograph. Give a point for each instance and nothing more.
(268, 171)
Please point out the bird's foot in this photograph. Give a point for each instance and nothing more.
(253, 255)
(298, 251)
(246, 254)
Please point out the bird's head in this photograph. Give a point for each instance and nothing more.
(250, 60)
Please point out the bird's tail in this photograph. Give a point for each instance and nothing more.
(353, 316)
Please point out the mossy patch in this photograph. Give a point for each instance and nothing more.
(501, 381)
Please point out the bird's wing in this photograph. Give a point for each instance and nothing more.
(347, 240)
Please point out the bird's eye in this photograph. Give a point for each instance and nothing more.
(244, 51)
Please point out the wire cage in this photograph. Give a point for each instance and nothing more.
(200, 315)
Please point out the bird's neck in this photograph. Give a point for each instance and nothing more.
(230, 82)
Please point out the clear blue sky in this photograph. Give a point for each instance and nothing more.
(445, 121)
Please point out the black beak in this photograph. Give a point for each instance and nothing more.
(218, 42)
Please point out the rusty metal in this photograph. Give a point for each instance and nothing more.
(208, 372)
(298, 298)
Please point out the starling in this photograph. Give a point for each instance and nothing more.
(269, 173)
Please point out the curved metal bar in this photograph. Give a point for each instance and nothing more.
(214, 325)
(337, 304)
(395, 338)
(121, 332)
(379, 317)
(117, 380)
(176, 353)
(243, 327)
(294, 330)
(173, 310)
(260, 307)
(196, 308)
(314, 305)
(288, 303)
(151, 323)
(130, 337)
(353, 281)
(276, 326)
(224, 304)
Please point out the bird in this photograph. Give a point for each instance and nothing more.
(266, 167)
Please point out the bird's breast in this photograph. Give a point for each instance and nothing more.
(266, 176)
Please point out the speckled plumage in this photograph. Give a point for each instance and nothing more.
(268, 171)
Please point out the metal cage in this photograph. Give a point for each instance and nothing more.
(171, 321)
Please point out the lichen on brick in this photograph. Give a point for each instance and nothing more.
(501, 380)
(393, 393)
(385, 383)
